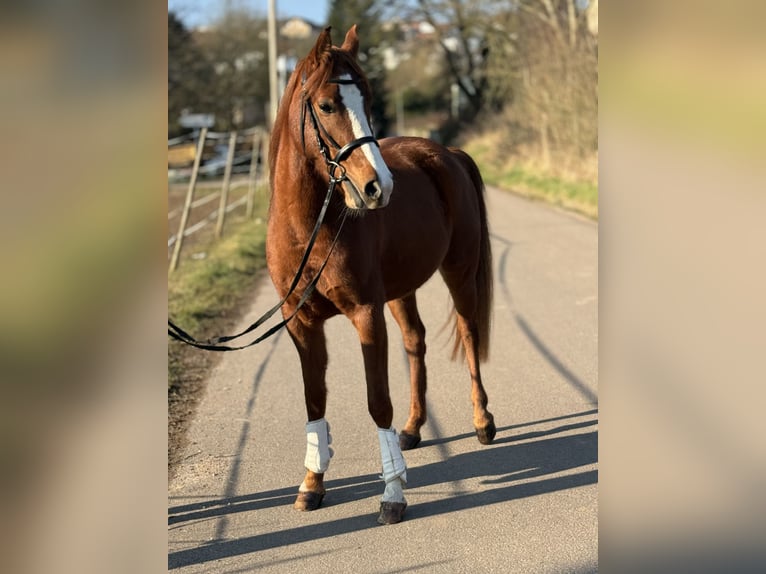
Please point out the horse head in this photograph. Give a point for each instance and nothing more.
(336, 132)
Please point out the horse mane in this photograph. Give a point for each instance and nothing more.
(316, 71)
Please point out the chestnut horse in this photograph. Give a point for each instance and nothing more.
(410, 207)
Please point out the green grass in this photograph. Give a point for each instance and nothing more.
(204, 289)
(578, 196)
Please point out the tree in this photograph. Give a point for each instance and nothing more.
(366, 14)
(460, 29)
(236, 46)
(528, 65)
(189, 75)
(551, 84)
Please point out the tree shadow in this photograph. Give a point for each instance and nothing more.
(500, 430)
(512, 462)
(578, 384)
(340, 491)
(499, 468)
(546, 352)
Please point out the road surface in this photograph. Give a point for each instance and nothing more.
(526, 503)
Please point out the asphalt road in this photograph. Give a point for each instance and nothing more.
(526, 503)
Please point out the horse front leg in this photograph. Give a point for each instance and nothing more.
(405, 311)
(371, 326)
(310, 342)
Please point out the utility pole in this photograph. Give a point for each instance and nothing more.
(273, 87)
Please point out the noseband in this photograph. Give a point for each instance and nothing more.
(333, 165)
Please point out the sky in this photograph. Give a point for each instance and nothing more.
(201, 12)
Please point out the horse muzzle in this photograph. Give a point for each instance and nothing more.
(372, 195)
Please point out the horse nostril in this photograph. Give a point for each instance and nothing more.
(372, 189)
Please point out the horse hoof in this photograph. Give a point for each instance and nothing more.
(308, 500)
(408, 441)
(487, 434)
(391, 512)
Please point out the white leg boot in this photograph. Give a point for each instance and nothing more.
(392, 503)
(318, 451)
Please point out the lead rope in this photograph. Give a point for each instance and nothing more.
(214, 344)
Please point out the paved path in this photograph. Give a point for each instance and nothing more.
(527, 503)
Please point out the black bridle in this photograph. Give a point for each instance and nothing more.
(337, 174)
(319, 130)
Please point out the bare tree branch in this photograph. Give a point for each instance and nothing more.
(469, 90)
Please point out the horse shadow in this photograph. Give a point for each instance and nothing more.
(514, 468)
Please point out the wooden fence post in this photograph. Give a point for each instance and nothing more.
(257, 143)
(188, 202)
(226, 181)
(265, 154)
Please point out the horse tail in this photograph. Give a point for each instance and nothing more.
(484, 279)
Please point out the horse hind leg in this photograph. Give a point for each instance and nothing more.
(483, 421)
(465, 296)
(405, 312)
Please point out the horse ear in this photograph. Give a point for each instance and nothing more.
(351, 43)
(323, 44)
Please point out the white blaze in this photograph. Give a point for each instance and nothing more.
(352, 99)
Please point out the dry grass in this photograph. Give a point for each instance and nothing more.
(572, 185)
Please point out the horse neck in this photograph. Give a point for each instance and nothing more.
(298, 187)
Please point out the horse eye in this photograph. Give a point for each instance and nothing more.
(326, 107)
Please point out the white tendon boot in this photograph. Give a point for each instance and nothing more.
(318, 451)
(392, 503)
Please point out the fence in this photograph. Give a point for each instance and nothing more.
(185, 149)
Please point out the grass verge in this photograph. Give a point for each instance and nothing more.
(201, 291)
(575, 195)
